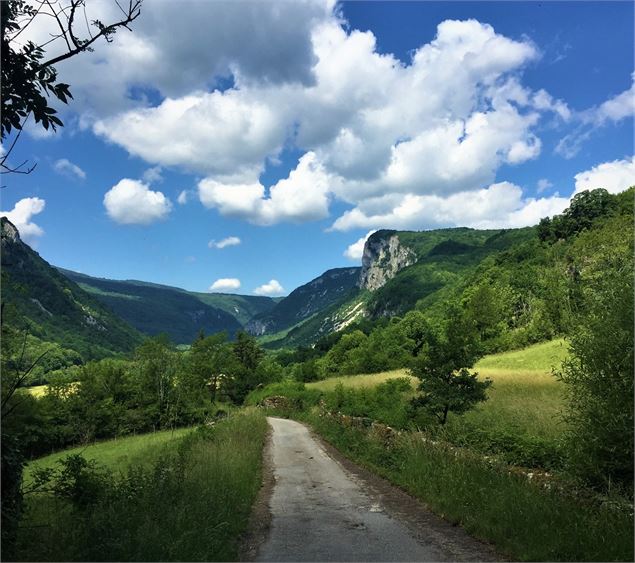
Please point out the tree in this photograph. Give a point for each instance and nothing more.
(29, 79)
(599, 374)
(441, 365)
(245, 376)
(584, 209)
(210, 358)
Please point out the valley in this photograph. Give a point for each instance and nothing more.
(451, 364)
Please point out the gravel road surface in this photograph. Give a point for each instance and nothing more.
(327, 509)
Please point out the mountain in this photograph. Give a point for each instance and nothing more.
(242, 307)
(402, 270)
(153, 308)
(307, 300)
(54, 309)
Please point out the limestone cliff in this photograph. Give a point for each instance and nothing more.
(383, 257)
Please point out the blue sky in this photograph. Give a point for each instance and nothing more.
(299, 128)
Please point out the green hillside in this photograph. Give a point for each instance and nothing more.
(55, 310)
(512, 281)
(242, 307)
(154, 309)
(444, 257)
(314, 297)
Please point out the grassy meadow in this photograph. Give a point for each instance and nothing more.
(162, 497)
(525, 399)
(117, 454)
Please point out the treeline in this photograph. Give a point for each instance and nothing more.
(160, 387)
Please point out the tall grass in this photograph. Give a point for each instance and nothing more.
(522, 518)
(541, 357)
(192, 504)
(522, 418)
(360, 381)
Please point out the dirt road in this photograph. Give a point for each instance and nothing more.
(327, 509)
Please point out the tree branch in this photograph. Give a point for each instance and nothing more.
(134, 10)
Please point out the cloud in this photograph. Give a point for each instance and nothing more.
(137, 66)
(613, 110)
(617, 108)
(21, 216)
(615, 176)
(183, 197)
(302, 196)
(374, 132)
(355, 251)
(229, 241)
(271, 288)
(364, 122)
(153, 175)
(500, 205)
(543, 184)
(67, 168)
(131, 202)
(225, 284)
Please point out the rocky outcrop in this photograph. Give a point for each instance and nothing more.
(383, 257)
(9, 232)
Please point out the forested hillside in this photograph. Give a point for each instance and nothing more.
(308, 299)
(154, 309)
(53, 312)
(518, 284)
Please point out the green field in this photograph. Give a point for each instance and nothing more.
(182, 496)
(37, 390)
(539, 357)
(115, 454)
(522, 416)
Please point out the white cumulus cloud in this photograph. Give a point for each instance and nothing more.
(223, 243)
(153, 175)
(302, 196)
(364, 123)
(21, 216)
(271, 288)
(615, 176)
(500, 205)
(67, 168)
(131, 202)
(225, 284)
(355, 251)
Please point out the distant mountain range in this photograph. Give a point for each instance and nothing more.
(400, 270)
(153, 309)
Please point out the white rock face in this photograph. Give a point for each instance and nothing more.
(382, 259)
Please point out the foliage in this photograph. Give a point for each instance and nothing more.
(441, 365)
(190, 503)
(584, 209)
(599, 374)
(384, 403)
(27, 81)
(28, 77)
(12, 464)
